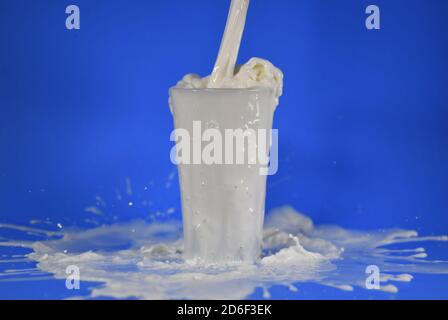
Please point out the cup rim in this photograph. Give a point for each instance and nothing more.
(252, 89)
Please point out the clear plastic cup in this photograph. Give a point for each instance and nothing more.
(223, 204)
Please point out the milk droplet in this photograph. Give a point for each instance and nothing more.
(292, 288)
(266, 293)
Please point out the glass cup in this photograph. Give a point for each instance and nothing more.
(223, 202)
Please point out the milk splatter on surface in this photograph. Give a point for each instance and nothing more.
(143, 259)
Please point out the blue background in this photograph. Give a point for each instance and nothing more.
(362, 123)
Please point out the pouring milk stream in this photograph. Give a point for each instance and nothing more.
(256, 72)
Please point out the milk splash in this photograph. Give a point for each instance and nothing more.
(226, 73)
(144, 260)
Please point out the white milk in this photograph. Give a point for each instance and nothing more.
(256, 72)
(144, 260)
(230, 46)
(223, 204)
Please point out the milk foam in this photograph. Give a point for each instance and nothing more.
(256, 72)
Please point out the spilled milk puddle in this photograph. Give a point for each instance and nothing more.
(144, 260)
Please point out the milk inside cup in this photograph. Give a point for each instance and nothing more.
(223, 203)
